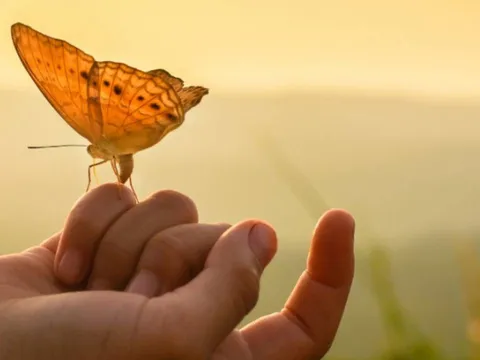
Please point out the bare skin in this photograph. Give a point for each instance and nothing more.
(182, 286)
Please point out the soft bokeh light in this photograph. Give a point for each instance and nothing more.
(376, 102)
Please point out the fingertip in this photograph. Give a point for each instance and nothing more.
(335, 221)
(262, 238)
(108, 192)
(263, 242)
(331, 258)
(179, 200)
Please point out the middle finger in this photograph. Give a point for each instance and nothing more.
(119, 250)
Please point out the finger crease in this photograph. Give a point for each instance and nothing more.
(298, 320)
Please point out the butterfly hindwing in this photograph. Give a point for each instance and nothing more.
(138, 108)
(191, 96)
(175, 82)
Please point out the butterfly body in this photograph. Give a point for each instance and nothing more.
(120, 110)
(124, 162)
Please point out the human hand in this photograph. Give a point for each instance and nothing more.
(128, 326)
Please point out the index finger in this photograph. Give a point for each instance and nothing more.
(309, 321)
(88, 221)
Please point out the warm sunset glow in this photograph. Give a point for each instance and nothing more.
(419, 46)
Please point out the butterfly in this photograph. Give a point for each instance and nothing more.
(119, 109)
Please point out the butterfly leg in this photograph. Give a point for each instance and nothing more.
(131, 186)
(95, 174)
(89, 170)
(114, 168)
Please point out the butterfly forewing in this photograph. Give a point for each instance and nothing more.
(93, 93)
(60, 71)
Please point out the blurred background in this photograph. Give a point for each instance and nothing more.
(372, 106)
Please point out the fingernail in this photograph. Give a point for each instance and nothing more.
(71, 266)
(262, 241)
(144, 283)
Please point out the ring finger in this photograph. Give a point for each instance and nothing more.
(173, 257)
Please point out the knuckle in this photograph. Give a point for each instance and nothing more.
(167, 244)
(167, 257)
(178, 202)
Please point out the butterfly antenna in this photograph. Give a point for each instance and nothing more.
(56, 146)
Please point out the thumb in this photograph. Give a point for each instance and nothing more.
(224, 292)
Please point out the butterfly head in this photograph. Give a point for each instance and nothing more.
(98, 153)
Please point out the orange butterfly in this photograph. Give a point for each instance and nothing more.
(120, 110)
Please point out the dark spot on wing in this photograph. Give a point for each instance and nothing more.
(171, 117)
(117, 89)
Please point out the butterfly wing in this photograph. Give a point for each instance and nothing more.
(138, 109)
(61, 72)
(175, 82)
(189, 96)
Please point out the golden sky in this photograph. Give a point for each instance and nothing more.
(425, 46)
